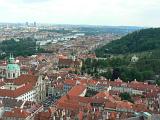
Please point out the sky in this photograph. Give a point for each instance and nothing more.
(144, 13)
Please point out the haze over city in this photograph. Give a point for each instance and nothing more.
(92, 12)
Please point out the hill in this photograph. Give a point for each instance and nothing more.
(145, 44)
(138, 41)
(118, 30)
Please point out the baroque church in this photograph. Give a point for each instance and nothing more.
(25, 87)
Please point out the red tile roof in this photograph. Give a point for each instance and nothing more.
(72, 99)
(142, 86)
(23, 79)
(104, 95)
(70, 82)
(110, 105)
(26, 83)
(140, 108)
(15, 93)
(68, 62)
(81, 81)
(77, 90)
(17, 113)
(80, 115)
(43, 116)
(118, 105)
(124, 105)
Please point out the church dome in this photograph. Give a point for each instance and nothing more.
(13, 67)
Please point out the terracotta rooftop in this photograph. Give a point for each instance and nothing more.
(15, 93)
(77, 90)
(81, 81)
(110, 104)
(43, 116)
(104, 95)
(124, 105)
(23, 79)
(140, 108)
(16, 113)
(68, 62)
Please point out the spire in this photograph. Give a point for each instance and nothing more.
(10, 56)
(11, 59)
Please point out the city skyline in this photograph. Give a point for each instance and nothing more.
(86, 12)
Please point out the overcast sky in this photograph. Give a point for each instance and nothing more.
(93, 12)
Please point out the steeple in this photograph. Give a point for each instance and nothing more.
(11, 59)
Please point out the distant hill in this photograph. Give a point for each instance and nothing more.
(96, 30)
(145, 44)
(138, 41)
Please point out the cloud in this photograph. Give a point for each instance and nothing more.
(103, 12)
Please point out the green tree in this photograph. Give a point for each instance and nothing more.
(126, 96)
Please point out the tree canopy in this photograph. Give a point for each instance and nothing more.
(20, 47)
(139, 41)
(145, 44)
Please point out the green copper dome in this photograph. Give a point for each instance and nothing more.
(13, 67)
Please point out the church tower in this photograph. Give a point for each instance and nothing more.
(13, 69)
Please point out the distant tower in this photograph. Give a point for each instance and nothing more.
(34, 24)
(13, 69)
(27, 24)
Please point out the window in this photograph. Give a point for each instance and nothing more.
(13, 75)
(9, 75)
